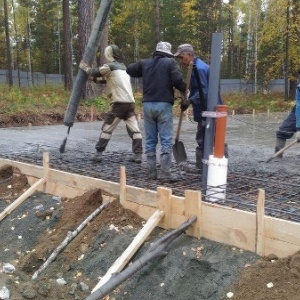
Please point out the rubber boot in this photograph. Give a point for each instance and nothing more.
(280, 143)
(199, 156)
(97, 157)
(151, 164)
(165, 169)
(137, 158)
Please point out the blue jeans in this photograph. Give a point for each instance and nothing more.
(158, 122)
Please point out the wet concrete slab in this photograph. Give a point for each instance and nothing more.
(251, 140)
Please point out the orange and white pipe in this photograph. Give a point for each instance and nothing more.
(217, 162)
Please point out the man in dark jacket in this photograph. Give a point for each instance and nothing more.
(160, 75)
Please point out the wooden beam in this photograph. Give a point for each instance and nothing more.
(122, 184)
(165, 205)
(193, 207)
(260, 223)
(21, 199)
(45, 169)
(124, 259)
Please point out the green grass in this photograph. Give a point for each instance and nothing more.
(46, 98)
(275, 102)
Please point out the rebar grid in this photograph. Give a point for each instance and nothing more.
(241, 191)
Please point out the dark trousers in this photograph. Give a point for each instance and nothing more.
(288, 126)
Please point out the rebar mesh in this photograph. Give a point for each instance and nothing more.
(241, 191)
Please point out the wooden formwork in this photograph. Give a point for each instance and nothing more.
(255, 232)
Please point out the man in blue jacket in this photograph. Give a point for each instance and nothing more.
(198, 94)
(290, 125)
(160, 75)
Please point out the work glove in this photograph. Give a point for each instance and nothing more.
(86, 68)
(185, 104)
(297, 134)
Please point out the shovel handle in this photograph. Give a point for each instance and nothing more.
(282, 150)
(179, 126)
(184, 98)
(187, 82)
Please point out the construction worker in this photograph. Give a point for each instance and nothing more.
(122, 99)
(198, 94)
(290, 125)
(160, 75)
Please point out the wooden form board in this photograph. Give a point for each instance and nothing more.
(246, 230)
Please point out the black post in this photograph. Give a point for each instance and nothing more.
(212, 101)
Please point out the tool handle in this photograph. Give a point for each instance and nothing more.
(184, 98)
(179, 126)
(188, 82)
(282, 150)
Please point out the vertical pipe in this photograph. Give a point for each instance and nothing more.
(220, 132)
(212, 101)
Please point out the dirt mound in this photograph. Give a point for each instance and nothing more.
(45, 118)
(270, 278)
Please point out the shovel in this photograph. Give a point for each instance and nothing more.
(179, 152)
(282, 150)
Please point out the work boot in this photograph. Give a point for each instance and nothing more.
(165, 167)
(97, 157)
(280, 143)
(137, 158)
(151, 164)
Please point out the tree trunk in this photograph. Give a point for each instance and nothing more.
(157, 29)
(85, 17)
(8, 53)
(68, 80)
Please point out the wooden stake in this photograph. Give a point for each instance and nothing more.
(122, 185)
(45, 168)
(124, 259)
(164, 202)
(92, 113)
(260, 223)
(193, 207)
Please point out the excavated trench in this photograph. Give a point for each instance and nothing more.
(282, 194)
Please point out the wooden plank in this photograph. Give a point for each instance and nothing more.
(229, 226)
(260, 223)
(123, 260)
(193, 208)
(21, 199)
(281, 237)
(122, 184)
(143, 211)
(165, 205)
(142, 196)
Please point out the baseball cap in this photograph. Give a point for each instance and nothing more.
(164, 47)
(184, 48)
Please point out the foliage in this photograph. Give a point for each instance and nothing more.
(274, 102)
(46, 98)
(260, 37)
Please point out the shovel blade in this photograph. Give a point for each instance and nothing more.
(179, 152)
